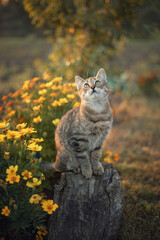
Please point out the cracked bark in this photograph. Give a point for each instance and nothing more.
(88, 209)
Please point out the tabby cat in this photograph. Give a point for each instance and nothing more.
(81, 131)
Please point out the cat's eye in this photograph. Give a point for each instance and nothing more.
(98, 83)
(86, 85)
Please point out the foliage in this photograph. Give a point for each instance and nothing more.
(26, 113)
(148, 83)
(85, 33)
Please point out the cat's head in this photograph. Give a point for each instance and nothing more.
(93, 88)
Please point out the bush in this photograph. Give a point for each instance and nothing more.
(29, 119)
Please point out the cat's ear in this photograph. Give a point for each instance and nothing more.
(101, 75)
(79, 81)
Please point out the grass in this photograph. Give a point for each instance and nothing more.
(21, 59)
(137, 140)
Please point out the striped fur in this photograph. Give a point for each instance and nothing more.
(81, 131)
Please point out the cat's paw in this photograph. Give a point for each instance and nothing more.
(87, 172)
(98, 170)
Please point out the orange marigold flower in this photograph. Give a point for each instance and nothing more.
(12, 134)
(10, 103)
(42, 231)
(116, 157)
(37, 119)
(6, 211)
(36, 198)
(4, 98)
(12, 113)
(1, 108)
(11, 178)
(39, 100)
(48, 206)
(26, 174)
(113, 111)
(12, 169)
(21, 120)
(35, 79)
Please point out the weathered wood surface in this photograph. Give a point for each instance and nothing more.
(88, 209)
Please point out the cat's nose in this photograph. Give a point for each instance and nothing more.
(93, 87)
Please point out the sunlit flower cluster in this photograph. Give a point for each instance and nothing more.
(111, 157)
(29, 117)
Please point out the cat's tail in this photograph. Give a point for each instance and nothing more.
(57, 167)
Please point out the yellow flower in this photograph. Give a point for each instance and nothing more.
(39, 237)
(39, 100)
(12, 134)
(107, 159)
(42, 177)
(43, 91)
(34, 147)
(6, 155)
(71, 96)
(55, 121)
(54, 87)
(6, 211)
(36, 108)
(11, 178)
(35, 79)
(2, 136)
(53, 94)
(11, 113)
(26, 85)
(49, 84)
(77, 104)
(35, 199)
(63, 100)
(57, 79)
(33, 183)
(48, 206)
(3, 124)
(12, 169)
(109, 153)
(37, 119)
(19, 127)
(36, 140)
(27, 100)
(24, 95)
(30, 130)
(42, 231)
(26, 174)
(56, 103)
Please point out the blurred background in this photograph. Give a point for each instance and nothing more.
(42, 38)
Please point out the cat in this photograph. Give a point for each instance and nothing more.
(81, 132)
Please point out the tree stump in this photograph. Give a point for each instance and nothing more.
(88, 209)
